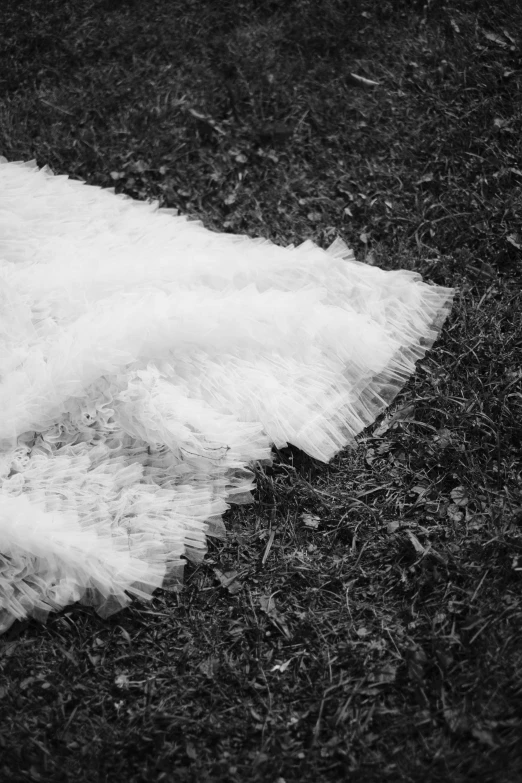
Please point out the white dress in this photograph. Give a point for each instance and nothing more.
(146, 362)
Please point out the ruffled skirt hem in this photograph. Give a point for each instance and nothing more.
(146, 363)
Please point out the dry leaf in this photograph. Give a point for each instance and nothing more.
(514, 240)
(281, 667)
(191, 751)
(122, 681)
(426, 178)
(267, 604)
(459, 496)
(494, 38)
(229, 580)
(457, 722)
(310, 520)
(454, 513)
(360, 81)
(8, 649)
(416, 543)
(126, 635)
(210, 666)
(406, 413)
(69, 655)
(484, 736)
(455, 26)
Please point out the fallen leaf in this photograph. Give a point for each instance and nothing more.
(360, 81)
(514, 240)
(457, 722)
(281, 667)
(459, 496)
(8, 649)
(138, 166)
(509, 37)
(229, 580)
(126, 635)
(484, 736)
(191, 751)
(122, 681)
(406, 413)
(455, 26)
(494, 38)
(416, 543)
(267, 604)
(69, 655)
(210, 666)
(454, 513)
(310, 520)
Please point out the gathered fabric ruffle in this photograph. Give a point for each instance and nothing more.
(146, 362)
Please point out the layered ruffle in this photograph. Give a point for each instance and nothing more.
(146, 362)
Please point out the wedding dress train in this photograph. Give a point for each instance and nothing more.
(146, 362)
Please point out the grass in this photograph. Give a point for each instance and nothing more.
(362, 621)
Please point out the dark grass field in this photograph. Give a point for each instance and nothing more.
(363, 620)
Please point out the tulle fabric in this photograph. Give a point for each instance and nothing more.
(146, 362)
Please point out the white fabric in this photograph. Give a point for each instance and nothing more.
(146, 361)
